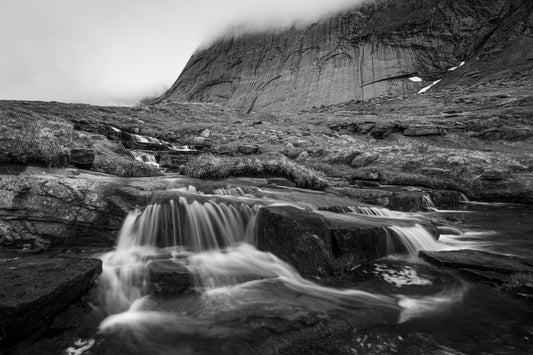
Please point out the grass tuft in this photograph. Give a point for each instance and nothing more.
(207, 166)
(36, 141)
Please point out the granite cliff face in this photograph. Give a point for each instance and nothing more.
(359, 54)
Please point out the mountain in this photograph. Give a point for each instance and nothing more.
(360, 54)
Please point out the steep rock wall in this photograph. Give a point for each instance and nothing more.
(359, 54)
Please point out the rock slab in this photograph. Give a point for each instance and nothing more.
(475, 259)
(35, 288)
(168, 277)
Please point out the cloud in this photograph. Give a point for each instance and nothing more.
(119, 51)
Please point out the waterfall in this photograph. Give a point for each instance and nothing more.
(427, 202)
(374, 211)
(415, 238)
(144, 157)
(194, 226)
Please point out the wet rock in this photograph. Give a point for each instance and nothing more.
(82, 158)
(364, 159)
(248, 149)
(299, 237)
(33, 289)
(475, 259)
(355, 242)
(168, 276)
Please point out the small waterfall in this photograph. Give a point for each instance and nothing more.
(374, 211)
(194, 226)
(143, 157)
(427, 202)
(416, 238)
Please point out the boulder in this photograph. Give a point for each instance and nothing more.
(297, 236)
(248, 149)
(168, 277)
(82, 158)
(364, 159)
(303, 156)
(35, 288)
(201, 142)
(356, 242)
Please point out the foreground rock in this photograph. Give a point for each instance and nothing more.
(168, 277)
(478, 260)
(299, 237)
(326, 242)
(66, 208)
(34, 289)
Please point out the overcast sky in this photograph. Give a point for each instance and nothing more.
(119, 51)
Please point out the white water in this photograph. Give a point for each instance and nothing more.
(144, 157)
(233, 281)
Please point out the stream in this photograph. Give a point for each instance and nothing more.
(249, 301)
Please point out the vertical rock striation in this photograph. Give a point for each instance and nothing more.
(359, 54)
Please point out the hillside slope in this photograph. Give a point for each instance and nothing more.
(359, 54)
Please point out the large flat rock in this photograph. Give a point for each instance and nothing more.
(475, 259)
(35, 288)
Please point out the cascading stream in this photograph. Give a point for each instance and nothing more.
(233, 280)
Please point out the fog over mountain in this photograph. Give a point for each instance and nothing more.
(117, 52)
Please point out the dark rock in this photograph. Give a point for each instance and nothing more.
(248, 149)
(82, 158)
(505, 133)
(424, 130)
(364, 159)
(299, 237)
(494, 175)
(475, 259)
(383, 130)
(34, 289)
(201, 142)
(168, 276)
(357, 242)
(175, 159)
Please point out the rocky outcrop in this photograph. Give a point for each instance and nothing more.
(34, 289)
(68, 208)
(478, 260)
(168, 277)
(299, 237)
(359, 54)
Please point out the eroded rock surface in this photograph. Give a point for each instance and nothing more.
(35, 288)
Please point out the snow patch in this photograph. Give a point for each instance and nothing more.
(416, 79)
(428, 87)
(460, 65)
(80, 346)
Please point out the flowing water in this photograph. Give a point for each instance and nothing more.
(247, 301)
